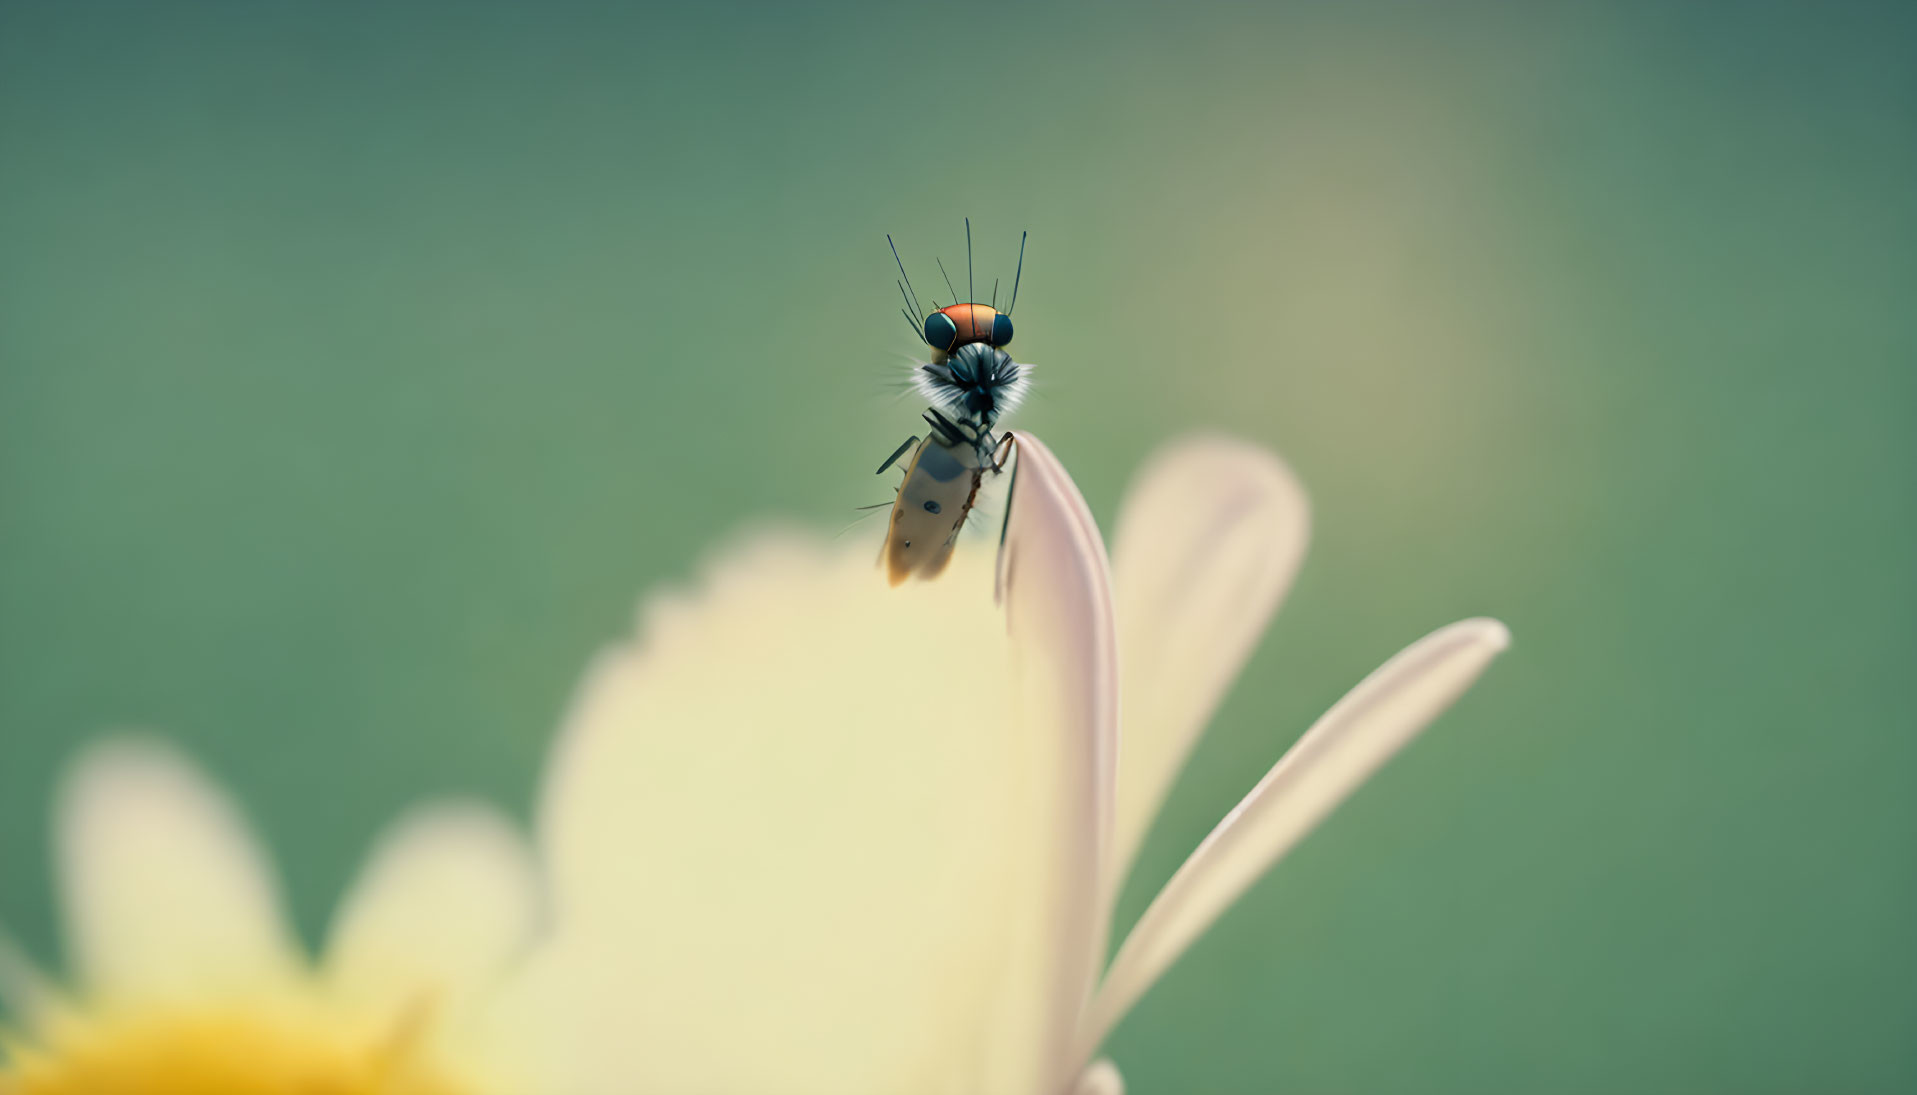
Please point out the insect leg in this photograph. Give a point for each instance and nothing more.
(944, 425)
(939, 432)
(896, 453)
(1007, 444)
(1005, 526)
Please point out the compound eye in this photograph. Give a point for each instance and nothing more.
(1001, 329)
(940, 332)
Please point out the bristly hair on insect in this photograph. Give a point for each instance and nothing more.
(970, 376)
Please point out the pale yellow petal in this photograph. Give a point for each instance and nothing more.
(1360, 732)
(809, 833)
(166, 894)
(1209, 539)
(783, 828)
(447, 901)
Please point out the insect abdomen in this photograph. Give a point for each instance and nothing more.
(934, 500)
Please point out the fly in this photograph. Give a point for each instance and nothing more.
(970, 382)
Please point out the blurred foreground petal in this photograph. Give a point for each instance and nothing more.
(28, 997)
(782, 829)
(447, 900)
(167, 896)
(1101, 1077)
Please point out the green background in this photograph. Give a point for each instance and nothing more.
(361, 365)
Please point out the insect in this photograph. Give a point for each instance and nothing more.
(970, 382)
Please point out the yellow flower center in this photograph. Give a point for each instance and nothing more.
(220, 1053)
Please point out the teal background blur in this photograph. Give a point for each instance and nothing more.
(361, 365)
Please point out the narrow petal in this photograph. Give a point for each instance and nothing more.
(1210, 537)
(1056, 586)
(448, 899)
(167, 896)
(1347, 744)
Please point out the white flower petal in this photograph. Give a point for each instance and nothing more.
(1210, 537)
(167, 896)
(448, 899)
(783, 831)
(1349, 742)
(1056, 586)
(1101, 1077)
(813, 834)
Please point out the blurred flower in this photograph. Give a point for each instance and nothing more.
(810, 834)
(187, 979)
(806, 833)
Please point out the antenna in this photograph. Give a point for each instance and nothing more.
(971, 294)
(948, 278)
(1015, 277)
(994, 294)
(908, 277)
(911, 304)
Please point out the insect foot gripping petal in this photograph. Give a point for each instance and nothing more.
(1003, 450)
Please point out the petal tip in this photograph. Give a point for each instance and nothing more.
(125, 755)
(166, 891)
(1215, 453)
(126, 767)
(1486, 631)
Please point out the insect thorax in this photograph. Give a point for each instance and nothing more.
(976, 384)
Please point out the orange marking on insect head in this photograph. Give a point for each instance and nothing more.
(974, 322)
